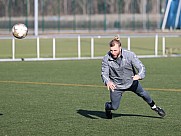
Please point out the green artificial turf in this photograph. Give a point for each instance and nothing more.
(66, 98)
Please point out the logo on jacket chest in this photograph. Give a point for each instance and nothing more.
(120, 64)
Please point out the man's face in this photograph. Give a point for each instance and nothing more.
(115, 51)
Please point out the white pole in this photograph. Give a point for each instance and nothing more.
(163, 45)
(79, 47)
(129, 43)
(156, 44)
(36, 17)
(166, 14)
(38, 47)
(53, 48)
(92, 47)
(13, 48)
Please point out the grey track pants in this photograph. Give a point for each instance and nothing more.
(117, 95)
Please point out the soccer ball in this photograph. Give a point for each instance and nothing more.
(19, 31)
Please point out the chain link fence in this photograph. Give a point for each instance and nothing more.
(83, 15)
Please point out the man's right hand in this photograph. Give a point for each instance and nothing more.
(111, 85)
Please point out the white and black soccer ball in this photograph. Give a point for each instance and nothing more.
(19, 31)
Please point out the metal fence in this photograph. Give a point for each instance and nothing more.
(83, 15)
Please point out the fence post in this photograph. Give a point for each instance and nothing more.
(105, 11)
(53, 48)
(156, 44)
(13, 48)
(38, 47)
(79, 48)
(9, 14)
(92, 47)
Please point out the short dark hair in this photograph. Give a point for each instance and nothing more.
(116, 40)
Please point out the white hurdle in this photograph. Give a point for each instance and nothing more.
(163, 45)
(38, 47)
(13, 48)
(156, 45)
(79, 48)
(54, 48)
(92, 48)
(129, 43)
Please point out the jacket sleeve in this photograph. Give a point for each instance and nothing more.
(105, 71)
(138, 65)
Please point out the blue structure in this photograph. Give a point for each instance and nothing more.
(172, 15)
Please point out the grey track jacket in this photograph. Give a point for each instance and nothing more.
(121, 70)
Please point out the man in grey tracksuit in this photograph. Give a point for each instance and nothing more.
(121, 70)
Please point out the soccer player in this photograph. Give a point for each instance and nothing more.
(121, 70)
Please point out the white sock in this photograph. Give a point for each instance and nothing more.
(153, 107)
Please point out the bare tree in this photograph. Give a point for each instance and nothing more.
(153, 4)
(51, 7)
(127, 4)
(5, 4)
(28, 7)
(82, 4)
(65, 7)
(111, 4)
(95, 6)
(140, 5)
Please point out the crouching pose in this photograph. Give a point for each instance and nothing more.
(119, 75)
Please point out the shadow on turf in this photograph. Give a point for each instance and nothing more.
(101, 114)
(1, 114)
